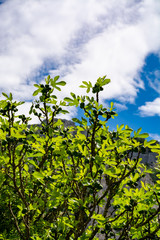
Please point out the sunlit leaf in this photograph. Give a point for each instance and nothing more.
(5, 95)
(36, 92)
(61, 83)
(142, 135)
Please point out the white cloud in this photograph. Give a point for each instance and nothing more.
(120, 107)
(80, 40)
(119, 50)
(155, 136)
(154, 80)
(150, 108)
(33, 32)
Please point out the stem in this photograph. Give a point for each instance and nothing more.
(16, 222)
(97, 97)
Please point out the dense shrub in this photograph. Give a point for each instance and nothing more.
(58, 185)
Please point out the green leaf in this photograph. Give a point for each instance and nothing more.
(119, 128)
(73, 95)
(5, 95)
(38, 175)
(36, 92)
(111, 108)
(142, 135)
(85, 83)
(61, 83)
(19, 103)
(56, 78)
(39, 154)
(149, 143)
(68, 224)
(36, 85)
(2, 134)
(139, 130)
(31, 109)
(67, 99)
(10, 97)
(136, 134)
(64, 111)
(99, 217)
(156, 150)
(88, 90)
(144, 186)
(48, 78)
(57, 88)
(54, 96)
(76, 120)
(26, 168)
(106, 81)
(33, 163)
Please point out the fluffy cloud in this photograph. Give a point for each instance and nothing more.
(150, 108)
(155, 136)
(80, 40)
(119, 50)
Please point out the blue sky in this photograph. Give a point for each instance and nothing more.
(143, 113)
(83, 40)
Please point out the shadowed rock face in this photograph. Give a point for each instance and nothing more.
(68, 123)
(148, 158)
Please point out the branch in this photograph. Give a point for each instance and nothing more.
(16, 222)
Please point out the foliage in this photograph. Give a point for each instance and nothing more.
(58, 185)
